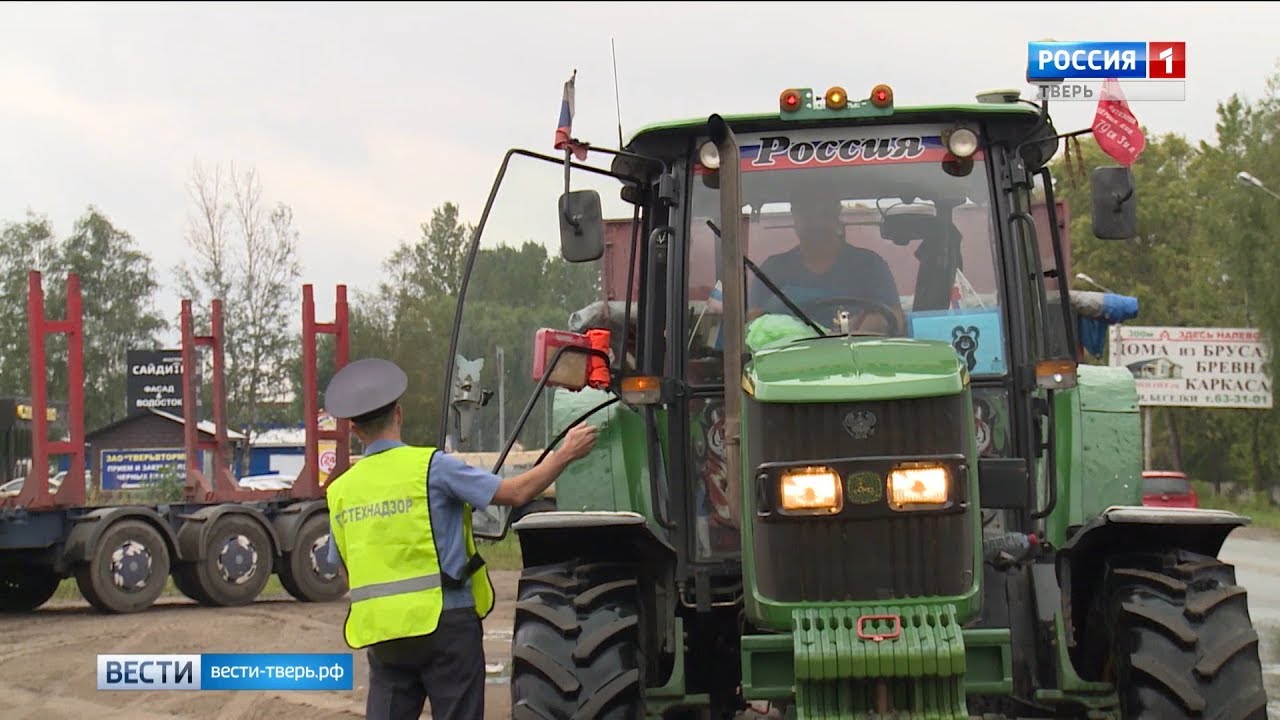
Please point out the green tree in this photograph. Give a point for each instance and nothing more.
(1204, 257)
(244, 252)
(513, 290)
(409, 318)
(24, 247)
(1241, 224)
(117, 287)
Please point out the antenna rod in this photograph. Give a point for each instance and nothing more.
(616, 94)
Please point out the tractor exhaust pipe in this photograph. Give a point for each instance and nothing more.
(732, 277)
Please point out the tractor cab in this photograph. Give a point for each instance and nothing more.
(849, 460)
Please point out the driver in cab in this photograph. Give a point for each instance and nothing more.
(825, 267)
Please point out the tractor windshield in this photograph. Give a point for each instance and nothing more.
(518, 283)
(856, 230)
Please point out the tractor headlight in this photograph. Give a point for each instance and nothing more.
(918, 486)
(811, 490)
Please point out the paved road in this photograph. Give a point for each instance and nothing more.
(1257, 560)
(47, 660)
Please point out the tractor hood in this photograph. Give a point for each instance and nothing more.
(844, 369)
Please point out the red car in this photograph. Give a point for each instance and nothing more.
(1167, 488)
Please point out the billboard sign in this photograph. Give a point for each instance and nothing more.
(154, 381)
(1195, 367)
(135, 468)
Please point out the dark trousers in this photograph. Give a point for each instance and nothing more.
(446, 667)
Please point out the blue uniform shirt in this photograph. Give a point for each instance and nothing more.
(451, 482)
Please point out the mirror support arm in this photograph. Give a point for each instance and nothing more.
(1060, 136)
(568, 165)
(1120, 201)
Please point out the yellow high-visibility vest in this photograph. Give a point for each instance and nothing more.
(381, 522)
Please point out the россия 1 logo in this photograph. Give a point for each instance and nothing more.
(1048, 61)
(1072, 70)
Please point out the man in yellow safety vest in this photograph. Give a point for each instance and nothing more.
(400, 523)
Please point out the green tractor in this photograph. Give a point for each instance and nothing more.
(850, 463)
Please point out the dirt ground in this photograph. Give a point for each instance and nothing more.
(48, 660)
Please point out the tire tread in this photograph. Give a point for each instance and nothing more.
(1178, 630)
(575, 648)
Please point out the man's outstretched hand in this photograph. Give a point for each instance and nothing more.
(578, 442)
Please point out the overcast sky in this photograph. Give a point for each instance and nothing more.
(365, 117)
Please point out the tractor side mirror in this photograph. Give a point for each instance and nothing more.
(466, 396)
(581, 226)
(1115, 203)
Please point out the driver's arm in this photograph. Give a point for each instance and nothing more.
(882, 288)
(759, 294)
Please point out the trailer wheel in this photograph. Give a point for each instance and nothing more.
(238, 561)
(575, 651)
(1179, 641)
(128, 570)
(184, 580)
(24, 588)
(306, 572)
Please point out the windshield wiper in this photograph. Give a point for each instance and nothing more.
(774, 288)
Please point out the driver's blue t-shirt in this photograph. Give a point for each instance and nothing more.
(856, 272)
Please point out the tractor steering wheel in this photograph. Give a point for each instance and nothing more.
(837, 303)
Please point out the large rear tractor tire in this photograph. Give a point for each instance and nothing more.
(306, 572)
(128, 570)
(575, 651)
(24, 588)
(1178, 641)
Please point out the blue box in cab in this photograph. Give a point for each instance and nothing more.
(973, 332)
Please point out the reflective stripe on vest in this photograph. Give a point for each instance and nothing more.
(380, 518)
(395, 587)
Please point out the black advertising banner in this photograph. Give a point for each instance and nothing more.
(155, 381)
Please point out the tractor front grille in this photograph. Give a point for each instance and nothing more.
(862, 557)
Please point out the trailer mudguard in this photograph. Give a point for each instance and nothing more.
(87, 528)
(194, 531)
(551, 536)
(290, 519)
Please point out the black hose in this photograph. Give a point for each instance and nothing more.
(560, 436)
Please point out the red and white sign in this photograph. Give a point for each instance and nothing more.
(328, 459)
(1115, 127)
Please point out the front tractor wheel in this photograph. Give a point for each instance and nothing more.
(575, 652)
(1179, 642)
